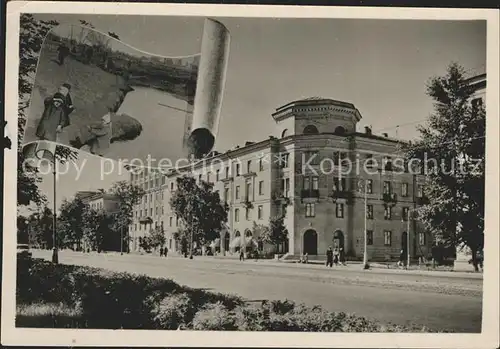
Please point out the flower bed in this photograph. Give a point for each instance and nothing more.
(50, 295)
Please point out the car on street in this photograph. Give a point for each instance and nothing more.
(23, 251)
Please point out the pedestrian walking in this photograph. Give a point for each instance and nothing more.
(165, 251)
(161, 251)
(336, 256)
(329, 257)
(342, 256)
(401, 258)
(242, 255)
(62, 53)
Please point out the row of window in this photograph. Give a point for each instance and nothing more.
(312, 157)
(97, 205)
(283, 159)
(159, 195)
(388, 238)
(157, 210)
(339, 184)
(339, 211)
(285, 189)
(260, 213)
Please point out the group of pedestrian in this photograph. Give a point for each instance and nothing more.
(336, 256)
(163, 251)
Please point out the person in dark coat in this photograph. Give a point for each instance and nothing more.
(165, 251)
(89, 52)
(53, 119)
(329, 257)
(161, 251)
(65, 90)
(62, 53)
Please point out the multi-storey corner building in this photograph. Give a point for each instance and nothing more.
(312, 169)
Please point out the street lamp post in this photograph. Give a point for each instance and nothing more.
(408, 239)
(121, 239)
(365, 239)
(27, 222)
(55, 255)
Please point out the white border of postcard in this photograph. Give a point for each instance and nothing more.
(489, 337)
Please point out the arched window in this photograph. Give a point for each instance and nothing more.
(339, 130)
(311, 130)
(248, 233)
(236, 233)
(284, 133)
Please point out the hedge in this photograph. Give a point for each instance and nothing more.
(84, 297)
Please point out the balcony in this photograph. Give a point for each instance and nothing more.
(389, 198)
(250, 174)
(341, 194)
(309, 193)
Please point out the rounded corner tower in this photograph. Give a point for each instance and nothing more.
(316, 115)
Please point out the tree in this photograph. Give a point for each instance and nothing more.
(72, 213)
(44, 222)
(455, 137)
(128, 196)
(96, 226)
(200, 210)
(157, 236)
(154, 239)
(275, 234)
(22, 229)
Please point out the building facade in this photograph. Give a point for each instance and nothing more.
(317, 171)
(101, 201)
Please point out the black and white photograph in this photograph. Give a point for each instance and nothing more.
(192, 174)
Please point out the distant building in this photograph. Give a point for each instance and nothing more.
(85, 194)
(101, 201)
(478, 82)
(326, 208)
(109, 204)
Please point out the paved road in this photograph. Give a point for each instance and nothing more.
(438, 302)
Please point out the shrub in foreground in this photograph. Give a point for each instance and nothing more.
(96, 298)
(214, 317)
(173, 312)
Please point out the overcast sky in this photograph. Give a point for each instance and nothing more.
(381, 66)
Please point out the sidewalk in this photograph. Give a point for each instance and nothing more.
(353, 266)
